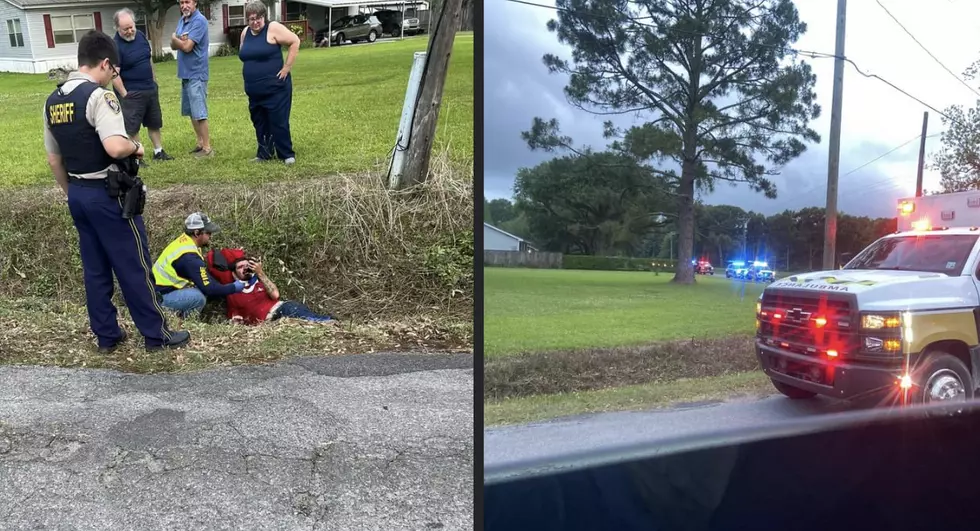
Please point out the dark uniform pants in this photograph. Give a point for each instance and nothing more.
(270, 116)
(110, 244)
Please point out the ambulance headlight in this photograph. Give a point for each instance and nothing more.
(878, 321)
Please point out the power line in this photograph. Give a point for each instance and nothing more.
(934, 58)
(811, 189)
(809, 53)
(883, 155)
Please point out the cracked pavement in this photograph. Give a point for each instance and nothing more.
(367, 441)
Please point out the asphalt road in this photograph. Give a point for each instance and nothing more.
(379, 441)
(512, 445)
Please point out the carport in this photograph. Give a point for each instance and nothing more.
(333, 9)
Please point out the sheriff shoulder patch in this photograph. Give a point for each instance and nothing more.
(111, 101)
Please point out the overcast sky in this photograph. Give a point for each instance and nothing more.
(876, 118)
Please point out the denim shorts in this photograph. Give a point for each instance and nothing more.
(194, 99)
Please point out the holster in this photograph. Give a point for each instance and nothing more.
(129, 186)
(117, 183)
(135, 199)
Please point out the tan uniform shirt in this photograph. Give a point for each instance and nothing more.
(102, 112)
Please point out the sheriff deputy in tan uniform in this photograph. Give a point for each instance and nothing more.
(84, 136)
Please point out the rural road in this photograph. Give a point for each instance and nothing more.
(511, 445)
(369, 441)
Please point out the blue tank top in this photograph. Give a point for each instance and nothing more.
(261, 63)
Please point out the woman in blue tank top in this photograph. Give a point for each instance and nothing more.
(268, 82)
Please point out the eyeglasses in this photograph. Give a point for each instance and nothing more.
(115, 73)
(255, 19)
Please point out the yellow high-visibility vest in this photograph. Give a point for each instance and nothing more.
(164, 273)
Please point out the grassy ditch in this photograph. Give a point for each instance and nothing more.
(549, 373)
(562, 342)
(344, 244)
(37, 331)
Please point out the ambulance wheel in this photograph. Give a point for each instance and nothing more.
(941, 377)
(794, 393)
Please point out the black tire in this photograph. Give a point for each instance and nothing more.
(340, 39)
(793, 393)
(928, 379)
(372, 36)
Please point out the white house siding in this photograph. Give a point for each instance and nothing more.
(494, 240)
(64, 55)
(14, 59)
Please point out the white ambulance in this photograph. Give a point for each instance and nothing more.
(899, 322)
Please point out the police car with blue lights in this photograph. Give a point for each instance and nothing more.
(760, 272)
(736, 269)
(901, 319)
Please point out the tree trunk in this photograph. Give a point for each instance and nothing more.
(684, 272)
(156, 32)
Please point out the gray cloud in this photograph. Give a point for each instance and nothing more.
(518, 87)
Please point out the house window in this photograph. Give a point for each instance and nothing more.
(236, 15)
(140, 23)
(15, 32)
(295, 11)
(70, 29)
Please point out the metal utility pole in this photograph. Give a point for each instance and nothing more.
(922, 155)
(833, 165)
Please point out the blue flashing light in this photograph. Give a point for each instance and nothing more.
(760, 264)
(738, 263)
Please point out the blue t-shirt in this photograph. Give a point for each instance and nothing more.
(194, 65)
(135, 63)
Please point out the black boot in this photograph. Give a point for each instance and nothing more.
(109, 350)
(177, 339)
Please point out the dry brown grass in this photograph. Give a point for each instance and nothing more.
(45, 332)
(556, 372)
(343, 244)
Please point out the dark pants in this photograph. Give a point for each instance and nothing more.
(298, 310)
(141, 108)
(110, 244)
(270, 116)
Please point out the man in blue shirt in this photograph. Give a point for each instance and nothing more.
(137, 83)
(191, 42)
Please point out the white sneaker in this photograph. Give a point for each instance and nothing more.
(290, 160)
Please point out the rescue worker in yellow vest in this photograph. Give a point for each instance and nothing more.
(181, 275)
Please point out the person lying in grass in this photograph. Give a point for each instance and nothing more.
(259, 301)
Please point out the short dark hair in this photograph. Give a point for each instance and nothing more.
(96, 47)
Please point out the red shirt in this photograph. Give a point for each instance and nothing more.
(252, 305)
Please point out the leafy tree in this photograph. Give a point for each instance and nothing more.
(156, 12)
(500, 210)
(595, 203)
(711, 78)
(958, 160)
(518, 226)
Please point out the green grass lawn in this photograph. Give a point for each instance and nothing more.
(347, 102)
(541, 309)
